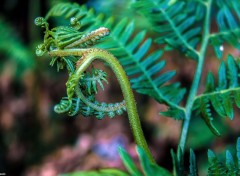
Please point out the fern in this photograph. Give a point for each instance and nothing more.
(178, 23)
(148, 168)
(13, 47)
(228, 21)
(178, 163)
(175, 23)
(193, 169)
(85, 102)
(131, 50)
(230, 168)
(220, 98)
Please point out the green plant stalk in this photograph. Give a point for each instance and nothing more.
(197, 76)
(88, 56)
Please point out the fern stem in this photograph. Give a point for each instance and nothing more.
(88, 56)
(197, 76)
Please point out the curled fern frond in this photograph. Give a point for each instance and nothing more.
(88, 106)
(85, 104)
(102, 109)
(132, 52)
(67, 36)
(221, 97)
(63, 107)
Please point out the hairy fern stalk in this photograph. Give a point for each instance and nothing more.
(180, 25)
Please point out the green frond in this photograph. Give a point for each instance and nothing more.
(238, 153)
(230, 164)
(12, 46)
(81, 98)
(228, 21)
(218, 168)
(147, 166)
(220, 97)
(193, 169)
(132, 51)
(129, 163)
(90, 81)
(203, 109)
(178, 162)
(176, 23)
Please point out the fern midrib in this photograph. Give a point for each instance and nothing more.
(216, 93)
(197, 76)
(144, 71)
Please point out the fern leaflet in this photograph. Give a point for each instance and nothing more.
(228, 21)
(218, 168)
(221, 97)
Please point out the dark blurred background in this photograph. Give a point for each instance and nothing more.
(35, 141)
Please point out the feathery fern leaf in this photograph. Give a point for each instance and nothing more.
(132, 52)
(12, 46)
(228, 21)
(174, 22)
(217, 168)
(147, 166)
(221, 97)
(178, 23)
(193, 169)
(178, 163)
(128, 163)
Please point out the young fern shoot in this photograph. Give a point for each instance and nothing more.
(70, 48)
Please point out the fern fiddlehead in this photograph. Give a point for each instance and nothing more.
(64, 42)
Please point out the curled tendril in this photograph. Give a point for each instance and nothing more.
(88, 106)
(40, 21)
(85, 104)
(40, 50)
(63, 107)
